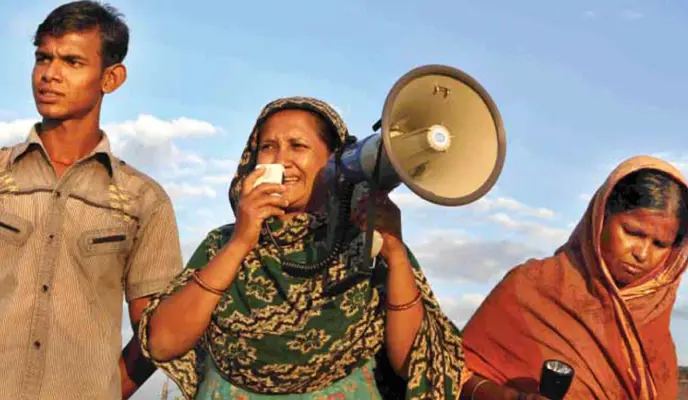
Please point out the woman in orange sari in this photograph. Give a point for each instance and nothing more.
(601, 304)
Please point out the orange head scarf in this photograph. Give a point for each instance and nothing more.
(568, 307)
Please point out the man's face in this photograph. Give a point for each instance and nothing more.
(67, 77)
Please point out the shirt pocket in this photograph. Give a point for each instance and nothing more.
(14, 230)
(99, 242)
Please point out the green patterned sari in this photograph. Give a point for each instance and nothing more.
(359, 385)
(275, 333)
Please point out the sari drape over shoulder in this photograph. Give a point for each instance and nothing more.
(568, 307)
(277, 333)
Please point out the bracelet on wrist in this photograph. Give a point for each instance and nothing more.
(405, 306)
(200, 282)
(475, 388)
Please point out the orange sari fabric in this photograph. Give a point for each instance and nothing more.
(567, 307)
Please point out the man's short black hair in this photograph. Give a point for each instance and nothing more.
(81, 16)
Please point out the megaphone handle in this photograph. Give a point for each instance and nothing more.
(370, 211)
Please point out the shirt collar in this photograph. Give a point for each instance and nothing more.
(102, 152)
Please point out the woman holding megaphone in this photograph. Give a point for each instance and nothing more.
(263, 310)
(602, 304)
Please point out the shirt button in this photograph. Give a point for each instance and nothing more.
(37, 344)
(45, 288)
(58, 194)
(50, 237)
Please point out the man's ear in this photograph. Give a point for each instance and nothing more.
(113, 77)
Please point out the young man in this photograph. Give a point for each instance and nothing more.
(78, 227)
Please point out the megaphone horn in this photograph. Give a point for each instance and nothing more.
(442, 136)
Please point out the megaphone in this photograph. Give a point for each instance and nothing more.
(441, 135)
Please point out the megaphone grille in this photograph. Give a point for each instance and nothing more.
(443, 135)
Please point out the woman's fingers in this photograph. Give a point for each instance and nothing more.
(269, 199)
(267, 189)
(386, 217)
(265, 193)
(264, 201)
(250, 180)
(269, 211)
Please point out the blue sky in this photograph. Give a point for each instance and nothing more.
(580, 87)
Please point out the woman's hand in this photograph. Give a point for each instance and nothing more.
(387, 221)
(255, 206)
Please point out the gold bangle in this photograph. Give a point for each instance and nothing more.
(204, 285)
(475, 388)
(402, 307)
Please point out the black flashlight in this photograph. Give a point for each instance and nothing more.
(555, 379)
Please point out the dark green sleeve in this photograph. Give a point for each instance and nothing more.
(187, 369)
(436, 362)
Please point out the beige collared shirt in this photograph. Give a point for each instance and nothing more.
(70, 249)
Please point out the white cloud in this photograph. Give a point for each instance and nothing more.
(205, 212)
(150, 130)
(149, 144)
(223, 164)
(488, 204)
(456, 257)
(201, 226)
(224, 179)
(460, 309)
(535, 230)
(406, 199)
(15, 131)
(226, 169)
(177, 190)
(523, 232)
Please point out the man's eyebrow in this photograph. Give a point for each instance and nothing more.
(71, 56)
(65, 56)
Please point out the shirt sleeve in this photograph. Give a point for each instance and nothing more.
(156, 257)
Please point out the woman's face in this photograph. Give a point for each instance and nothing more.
(637, 242)
(292, 138)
